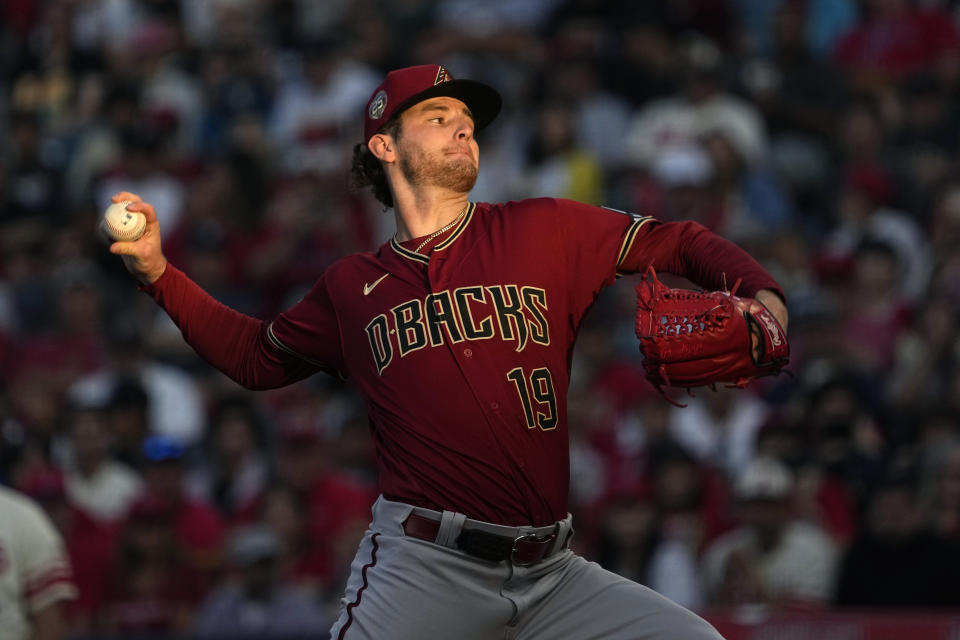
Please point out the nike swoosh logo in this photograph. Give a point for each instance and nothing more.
(367, 288)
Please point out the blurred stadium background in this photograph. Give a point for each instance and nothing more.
(821, 135)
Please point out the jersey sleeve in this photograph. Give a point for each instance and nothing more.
(595, 241)
(604, 243)
(236, 344)
(691, 250)
(46, 574)
(310, 331)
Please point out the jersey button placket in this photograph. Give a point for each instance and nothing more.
(436, 282)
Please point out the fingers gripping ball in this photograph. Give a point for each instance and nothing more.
(693, 338)
(122, 225)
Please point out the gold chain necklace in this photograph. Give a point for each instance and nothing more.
(442, 229)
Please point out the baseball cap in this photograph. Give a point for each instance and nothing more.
(403, 88)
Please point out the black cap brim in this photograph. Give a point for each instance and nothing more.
(483, 100)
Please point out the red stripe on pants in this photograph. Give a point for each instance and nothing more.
(363, 572)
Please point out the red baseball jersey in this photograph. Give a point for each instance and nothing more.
(463, 349)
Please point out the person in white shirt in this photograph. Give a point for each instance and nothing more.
(774, 558)
(101, 487)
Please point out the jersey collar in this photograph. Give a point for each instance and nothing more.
(440, 246)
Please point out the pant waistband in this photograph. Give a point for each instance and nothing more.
(524, 546)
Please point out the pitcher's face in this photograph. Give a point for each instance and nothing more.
(436, 146)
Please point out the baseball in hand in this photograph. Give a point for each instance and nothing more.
(123, 225)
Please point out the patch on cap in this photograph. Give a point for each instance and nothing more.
(379, 103)
(405, 87)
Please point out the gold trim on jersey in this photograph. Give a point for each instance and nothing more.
(628, 239)
(406, 253)
(443, 244)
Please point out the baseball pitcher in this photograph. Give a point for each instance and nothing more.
(459, 333)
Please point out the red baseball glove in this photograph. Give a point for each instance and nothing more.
(695, 338)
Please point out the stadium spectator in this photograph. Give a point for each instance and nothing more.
(168, 401)
(702, 104)
(314, 108)
(234, 473)
(301, 561)
(555, 163)
(719, 429)
(198, 528)
(874, 313)
(826, 20)
(893, 39)
(33, 190)
(798, 93)
(152, 588)
(754, 201)
(773, 558)
(101, 487)
(692, 498)
(898, 561)
(634, 543)
(127, 411)
(99, 139)
(924, 355)
(254, 602)
(89, 545)
(336, 503)
(36, 576)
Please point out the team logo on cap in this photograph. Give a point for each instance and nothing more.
(442, 76)
(377, 105)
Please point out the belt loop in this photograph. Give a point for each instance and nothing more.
(451, 524)
(564, 533)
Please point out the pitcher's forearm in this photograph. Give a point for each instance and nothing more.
(231, 341)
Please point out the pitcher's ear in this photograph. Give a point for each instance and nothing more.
(382, 146)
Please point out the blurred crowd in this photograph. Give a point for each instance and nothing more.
(821, 135)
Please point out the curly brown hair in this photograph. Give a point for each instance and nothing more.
(367, 170)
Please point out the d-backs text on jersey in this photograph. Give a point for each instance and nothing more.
(511, 312)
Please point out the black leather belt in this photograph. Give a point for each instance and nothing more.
(524, 550)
